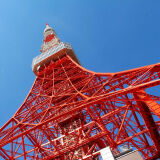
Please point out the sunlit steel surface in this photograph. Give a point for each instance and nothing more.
(73, 113)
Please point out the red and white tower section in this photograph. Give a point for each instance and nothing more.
(72, 113)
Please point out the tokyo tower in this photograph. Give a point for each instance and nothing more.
(72, 113)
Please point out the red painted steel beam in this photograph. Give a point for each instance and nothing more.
(149, 122)
(62, 90)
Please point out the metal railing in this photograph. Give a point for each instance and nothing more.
(50, 52)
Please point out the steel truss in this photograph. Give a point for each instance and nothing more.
(72, 113)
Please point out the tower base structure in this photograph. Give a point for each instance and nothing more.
(72, 113)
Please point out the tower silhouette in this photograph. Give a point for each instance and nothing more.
(72, 113)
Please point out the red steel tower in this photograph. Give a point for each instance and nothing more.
(72, 113)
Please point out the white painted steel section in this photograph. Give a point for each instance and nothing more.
(134, 155)
(106, 154)
(50, 52)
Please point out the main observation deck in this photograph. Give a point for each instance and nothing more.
(54, 53)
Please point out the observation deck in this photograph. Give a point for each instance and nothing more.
(54, 53)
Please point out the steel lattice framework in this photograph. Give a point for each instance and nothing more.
(71, 113)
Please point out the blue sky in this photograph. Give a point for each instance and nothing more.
(107, 36)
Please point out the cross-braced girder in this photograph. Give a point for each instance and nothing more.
(72, 113)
